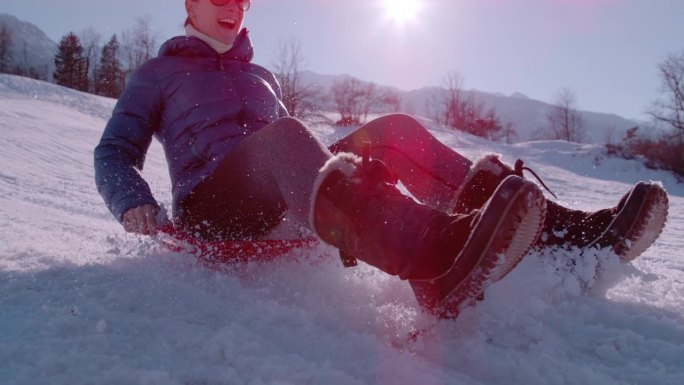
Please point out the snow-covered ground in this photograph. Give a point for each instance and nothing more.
(81, 302)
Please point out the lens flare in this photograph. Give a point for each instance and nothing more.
(402, 11)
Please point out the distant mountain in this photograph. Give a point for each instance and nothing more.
(31, 47)
(527, 115)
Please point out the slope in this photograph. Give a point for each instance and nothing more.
(82, 302)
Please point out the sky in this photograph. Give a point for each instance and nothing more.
(607, 51)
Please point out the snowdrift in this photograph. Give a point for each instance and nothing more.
(82, 302)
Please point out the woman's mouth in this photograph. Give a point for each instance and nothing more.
(227, 23)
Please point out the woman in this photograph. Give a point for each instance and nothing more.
(238, 163)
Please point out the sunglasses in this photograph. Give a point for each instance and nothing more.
(242, 4)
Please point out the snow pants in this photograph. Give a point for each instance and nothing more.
(274, 170)
(430, 171)
(269, 173)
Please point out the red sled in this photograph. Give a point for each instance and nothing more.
(232, 251)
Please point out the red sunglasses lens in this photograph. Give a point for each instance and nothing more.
(242, 4)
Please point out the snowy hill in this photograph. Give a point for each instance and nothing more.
(81, 302)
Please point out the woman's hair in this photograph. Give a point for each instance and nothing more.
(187, 19)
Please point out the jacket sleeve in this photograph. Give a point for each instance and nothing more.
(272, 80)
(120, 155)
(282, 111)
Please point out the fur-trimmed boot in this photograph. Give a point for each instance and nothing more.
(448, 259)
(629, 228)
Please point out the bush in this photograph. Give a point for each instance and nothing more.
(347, 121)
(663, 153)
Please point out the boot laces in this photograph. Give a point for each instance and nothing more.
(518, 170)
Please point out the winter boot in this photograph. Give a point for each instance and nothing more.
(629, 228)
(449, 259)
(636, 221)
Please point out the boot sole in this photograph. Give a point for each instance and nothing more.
(505, 232)
(641, 221)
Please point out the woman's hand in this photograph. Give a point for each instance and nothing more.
(141, 220)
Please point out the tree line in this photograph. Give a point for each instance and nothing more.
(355, 100)
(456, 108)
(81, 63)
(79, 66)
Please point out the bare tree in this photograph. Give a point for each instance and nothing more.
(564, 121)
(669, 109)
(301, 99)
(451, 101)
(460, 110)
(355, 99)
(347, 94)
(138, 44)
(507, 133)
(90, 41)
(373, 99)
(23, 66)
(5, 47)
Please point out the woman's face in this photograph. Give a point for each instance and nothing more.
(219, 22)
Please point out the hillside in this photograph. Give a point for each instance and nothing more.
(82, 302)
(31, 47)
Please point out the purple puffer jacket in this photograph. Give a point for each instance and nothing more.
(199, 104)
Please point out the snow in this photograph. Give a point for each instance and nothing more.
(81, 302)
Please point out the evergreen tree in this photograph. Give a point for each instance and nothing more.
(70, 64)
(109, 76)
(5, 48)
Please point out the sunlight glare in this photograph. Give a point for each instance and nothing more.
(402, 11)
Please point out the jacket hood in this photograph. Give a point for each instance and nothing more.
(242, 50)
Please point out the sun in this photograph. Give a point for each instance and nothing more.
(402, 11)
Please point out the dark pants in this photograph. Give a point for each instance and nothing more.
(429, 170)
(274, 170)
(230, 205)
(269, 173)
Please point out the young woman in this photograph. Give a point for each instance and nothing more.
(238, 163)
